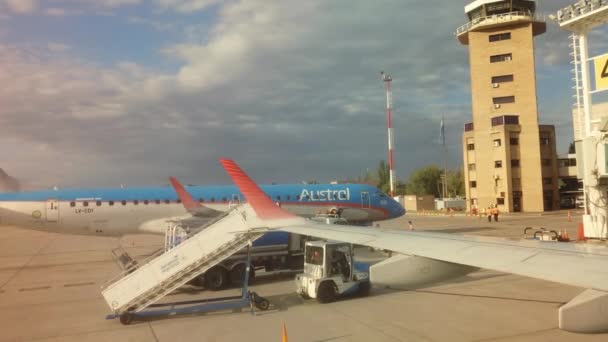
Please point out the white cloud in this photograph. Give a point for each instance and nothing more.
(62, 12)
(22, 6)
(185, 6)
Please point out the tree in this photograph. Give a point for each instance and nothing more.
(384, 177)
(572, 148)
(455, 183)
(425, 181)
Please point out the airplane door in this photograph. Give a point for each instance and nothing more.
(365, 201)
(52, 210)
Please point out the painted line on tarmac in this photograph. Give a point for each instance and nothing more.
(35, 288)
(79, 284)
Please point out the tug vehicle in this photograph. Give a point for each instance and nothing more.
(329, 272)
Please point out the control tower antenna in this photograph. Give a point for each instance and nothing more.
(389, 109)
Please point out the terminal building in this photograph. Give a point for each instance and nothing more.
(509, 159)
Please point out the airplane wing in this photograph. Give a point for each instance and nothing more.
(568, 263)
(191, 205)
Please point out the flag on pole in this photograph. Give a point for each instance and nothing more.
(442, 133)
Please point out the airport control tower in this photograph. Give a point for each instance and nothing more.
(509, 160)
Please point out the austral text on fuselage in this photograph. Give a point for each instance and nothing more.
(325, 195)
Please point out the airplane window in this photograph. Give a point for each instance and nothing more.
(123, 202)
(223, 199)
(98, 203)
(201, 200)
(178, 201)
(111, 202)
(212, 199)
(85, 204)
(297, 197)
(136, 202)
(278, 198)
(288, 197)
(72, 204)
(157, 201)
(146, 202)
(167, 201)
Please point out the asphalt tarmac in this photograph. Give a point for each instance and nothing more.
(50, 291)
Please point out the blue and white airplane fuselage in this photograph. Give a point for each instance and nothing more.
(121, 211)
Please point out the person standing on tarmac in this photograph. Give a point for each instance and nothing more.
(495, 213)
(489, 213)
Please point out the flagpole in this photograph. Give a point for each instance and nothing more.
(445, 163)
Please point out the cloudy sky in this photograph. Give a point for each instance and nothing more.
(107, 92)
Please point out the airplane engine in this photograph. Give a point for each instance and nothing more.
(407, 271)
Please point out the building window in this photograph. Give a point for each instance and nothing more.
(503, 99)
(496, 142)
(473, 184)
(545, 140)
(572, 162)
(514, 141)
(470, 147)
(471, 167)
(500, 36)
(498, 164)
(468, 127)
(546, 162)
(501, 58)
(502, 79)
(517, 194)
(511, 120)
(500, 201)
(514, 162)
(497, 121)
(547, 181)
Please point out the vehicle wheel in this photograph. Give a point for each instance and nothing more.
(364, 289)
(216, 278)
(126, 318)
(327, 292)
(262, 304)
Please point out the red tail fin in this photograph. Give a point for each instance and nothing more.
(187, 200)
(258, 200)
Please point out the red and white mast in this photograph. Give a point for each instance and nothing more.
(389, 108)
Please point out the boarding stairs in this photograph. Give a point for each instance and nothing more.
(137, 288)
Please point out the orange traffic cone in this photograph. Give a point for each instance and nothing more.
(284, 337)
(581, 232)
(569, 216)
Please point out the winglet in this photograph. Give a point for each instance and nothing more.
(259, 201)
(187, 200)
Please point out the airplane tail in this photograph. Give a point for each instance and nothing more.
(263, 206)
(191, 205)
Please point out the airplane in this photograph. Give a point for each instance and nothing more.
(147, 210)
(428, 256)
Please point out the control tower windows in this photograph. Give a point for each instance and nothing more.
(499, 37)
(503, 99)
(501, 58)
(502, 79)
